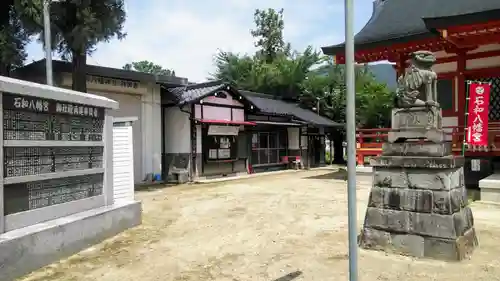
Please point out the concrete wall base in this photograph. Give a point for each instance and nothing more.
(364, 169)
(27, 249)
(490, 188)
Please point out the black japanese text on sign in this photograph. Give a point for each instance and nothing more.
(29, 103)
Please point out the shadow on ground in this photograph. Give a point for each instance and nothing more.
(338, 175)
(153, 186)
(289, 276)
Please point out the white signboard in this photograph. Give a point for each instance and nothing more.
(215, 130)
(475, 165)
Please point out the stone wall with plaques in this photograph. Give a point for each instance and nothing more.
(56, 175)
(53, 152)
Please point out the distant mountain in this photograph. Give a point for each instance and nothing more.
(384, 73)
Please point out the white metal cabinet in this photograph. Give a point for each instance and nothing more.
(123, 160)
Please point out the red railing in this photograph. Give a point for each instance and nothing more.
(369, 141)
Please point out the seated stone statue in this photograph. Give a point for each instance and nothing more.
(418, 80)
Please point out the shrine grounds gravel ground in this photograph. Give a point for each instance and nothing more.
(282, 227)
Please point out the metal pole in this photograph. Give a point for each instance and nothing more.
(47, 41)
(351, 140)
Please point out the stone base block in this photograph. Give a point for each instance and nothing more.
(432, 179)
(431, 135)
(447, 162)
(416, 118)
(422, 224)
(455, 249)
(416, 149)
(26, 249)
(490, 188)
(418, 200)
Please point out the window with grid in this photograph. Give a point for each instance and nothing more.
(269, 147)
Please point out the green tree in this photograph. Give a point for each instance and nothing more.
(274, 69)
(281, 78)
(148, 67)
(327, 84)
(13, 38)
(306, 76)
(268, 32)
(77, 26)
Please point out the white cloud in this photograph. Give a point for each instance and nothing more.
(185, 35)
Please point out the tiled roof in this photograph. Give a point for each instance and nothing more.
(194, 92)
(403, 20)
(64, 66)
(267, 104)
(263, 103)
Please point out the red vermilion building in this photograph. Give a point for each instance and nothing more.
(465, 36)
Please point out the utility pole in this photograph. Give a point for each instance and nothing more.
(48, 41)
(351, 140)
(317, 104)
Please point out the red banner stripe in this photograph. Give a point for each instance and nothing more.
(477, 119)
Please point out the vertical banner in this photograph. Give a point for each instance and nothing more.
(477, 119)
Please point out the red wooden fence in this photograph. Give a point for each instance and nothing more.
(369, 142)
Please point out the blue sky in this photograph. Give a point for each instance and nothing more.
(185, 35)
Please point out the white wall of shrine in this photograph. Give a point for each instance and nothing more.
(484, 62)
(470, 63)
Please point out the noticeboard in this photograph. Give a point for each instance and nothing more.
(38, 194)
(28, 161)
(27, 118)
(30, 118)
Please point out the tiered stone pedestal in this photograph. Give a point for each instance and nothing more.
(418, 202)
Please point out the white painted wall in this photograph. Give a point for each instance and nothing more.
(130, 105)
(177, 131)
(450, 121)
(150, 120)
(293, 138)
(144, 103)
(198, 139)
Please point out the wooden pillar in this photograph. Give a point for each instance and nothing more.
(400, 66)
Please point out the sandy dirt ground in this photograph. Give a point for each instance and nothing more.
(271, 228)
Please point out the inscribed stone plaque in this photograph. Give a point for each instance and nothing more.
(38, 194)
(416, 118)
(25, 161)
(31, 118)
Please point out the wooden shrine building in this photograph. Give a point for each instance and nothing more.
(465, 37)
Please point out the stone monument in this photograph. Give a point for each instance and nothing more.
(418, 202)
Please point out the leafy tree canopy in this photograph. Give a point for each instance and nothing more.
(77, 26)
(13, 37)
(306, 77)
(148, 67)
(268, 32)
